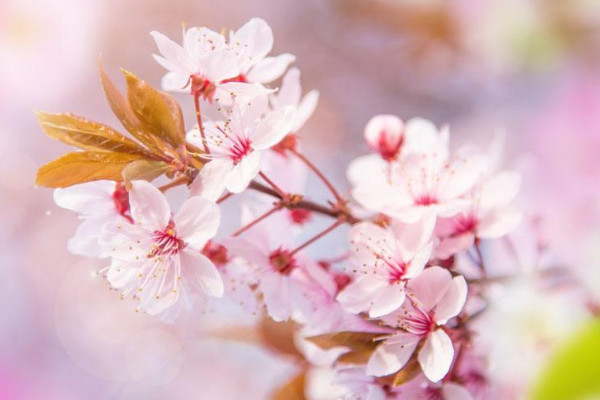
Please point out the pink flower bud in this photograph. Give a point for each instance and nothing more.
(385, 135)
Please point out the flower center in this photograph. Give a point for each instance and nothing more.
(418, 322)
(464, 224)
(283, 261)
(121, 201)
(217, 253)
(240, 148)
(425, 200)
(166, 242)
(300, 216)
(396, 270)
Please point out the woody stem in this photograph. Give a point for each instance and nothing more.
(307, 204)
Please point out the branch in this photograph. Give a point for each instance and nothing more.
(307, 205)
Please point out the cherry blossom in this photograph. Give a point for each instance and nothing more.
(290, 94)
(271, 266)
(236, 143)
(383, 261)
(98, 203)
(204, 63)
(251, 44)
(157, 259)
(489, 216)
(418, 184)
(435, 297)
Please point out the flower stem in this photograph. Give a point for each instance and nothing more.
(224, 197)
(200, 125)
(339, 199)
(317, 236)
(177, 182)
(244, 228)
(279, 191)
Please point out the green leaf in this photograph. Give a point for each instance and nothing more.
(146, 170)
(572, 373)
(84, 166)
(158, 112)
(87, 135)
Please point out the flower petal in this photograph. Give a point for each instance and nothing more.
(241, 174)
(436, 355)
(392, 355)
(453, 301)
(388, 299)
(270, 68)
(201, 274)
(276, 292)
(91, 198)
(358, 296)
(197, 221)
(430, 286)
(253, 41)
(273, 127)
(452, 391)
(149, 207)
(210, 182)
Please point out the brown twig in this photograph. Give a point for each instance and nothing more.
(307, 204)
(177, 182)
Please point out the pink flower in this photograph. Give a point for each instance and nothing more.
(290, 94)
(383, 261)
(236, 144)
(157, 258)
(417, 184)
(277, 274)
(98, 203)
(385, 135)
(435, 297)
(489, 216)
(251, 44)
(205, 63)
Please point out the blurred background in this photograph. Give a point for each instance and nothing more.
(527, 68)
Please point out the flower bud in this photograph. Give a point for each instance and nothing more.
(385, 135)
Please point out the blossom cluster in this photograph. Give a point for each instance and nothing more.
(388, 319)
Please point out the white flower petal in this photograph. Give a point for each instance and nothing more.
(453, 301)
(306, 108)
(149, 207)
(430, 286)
(388, 299)
(239, 177)
(273, 128)
(254, 41)
(210, 182)
(500, 190)
(91, 198)
(270, 68)
(498, 223)
(276, 292)
(392, 355)
(197, 221)
(452, 391)
(358, 296)
(436, 355)
(200, 273)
